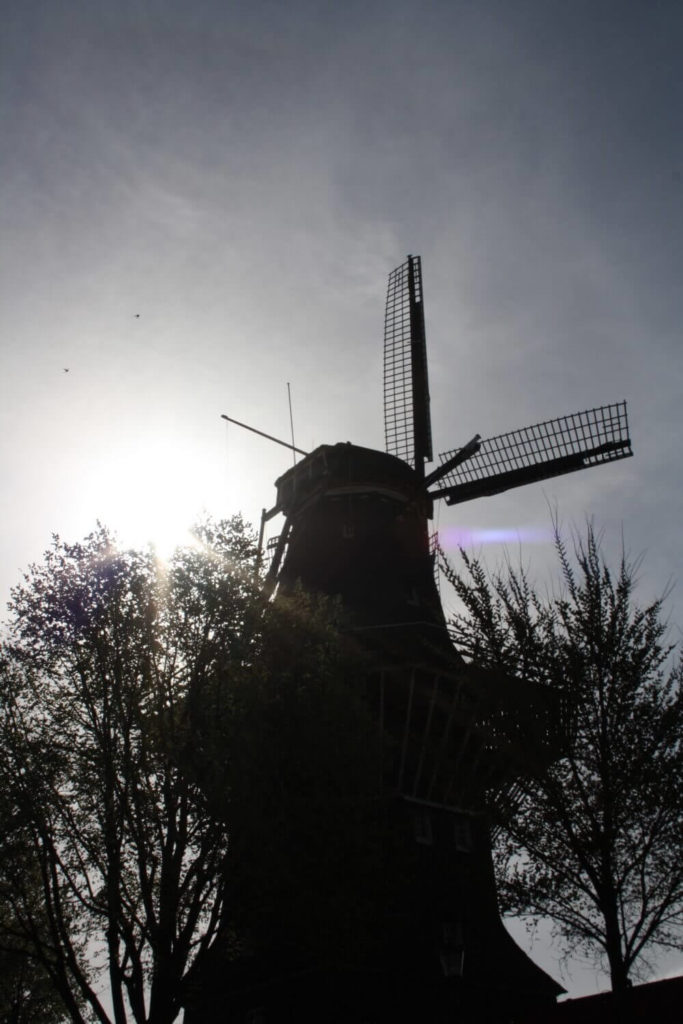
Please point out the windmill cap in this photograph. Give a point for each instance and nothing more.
(345, 465)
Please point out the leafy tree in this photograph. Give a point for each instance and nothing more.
(26, 993)
(107, 650)
(596, 843)
(190, 772)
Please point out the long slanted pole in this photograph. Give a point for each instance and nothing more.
(261, 433)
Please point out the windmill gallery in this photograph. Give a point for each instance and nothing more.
(455, 737)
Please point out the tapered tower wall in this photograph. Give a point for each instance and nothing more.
(356, 527)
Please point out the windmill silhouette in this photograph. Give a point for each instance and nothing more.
(456, 738)
(356, 520)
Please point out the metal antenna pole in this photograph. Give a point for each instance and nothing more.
(291, 423)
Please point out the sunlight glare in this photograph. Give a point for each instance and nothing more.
(150, 495)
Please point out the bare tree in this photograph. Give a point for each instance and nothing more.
(106, 648)
(596, 843)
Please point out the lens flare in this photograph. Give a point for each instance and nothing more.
(452, 537)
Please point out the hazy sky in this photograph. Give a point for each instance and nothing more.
(202, 201)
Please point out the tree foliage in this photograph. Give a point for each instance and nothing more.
(596, 843)
(27, 995)
(106, 649)
(190, 773)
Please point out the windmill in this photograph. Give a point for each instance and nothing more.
(457, 737)
(480, 467)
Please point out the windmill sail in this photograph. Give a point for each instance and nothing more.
(538, 452)
(406, 390)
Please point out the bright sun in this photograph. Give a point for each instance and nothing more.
(148, 495)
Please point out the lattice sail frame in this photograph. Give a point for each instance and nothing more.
(539, 452)
(406, 390)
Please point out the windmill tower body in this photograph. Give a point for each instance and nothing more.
(357, 528)
(455, 737)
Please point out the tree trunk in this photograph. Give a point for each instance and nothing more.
(617, 965)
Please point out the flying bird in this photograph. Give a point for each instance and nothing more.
(137, 316)
(66, 369)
